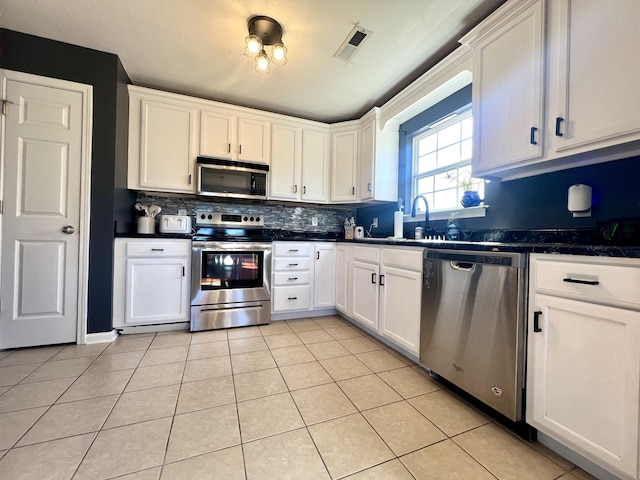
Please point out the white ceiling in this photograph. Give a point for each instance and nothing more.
(196, 47)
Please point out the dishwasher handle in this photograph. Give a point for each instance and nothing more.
(463, 266)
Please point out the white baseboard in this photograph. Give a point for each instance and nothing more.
(166, 327)
(303, 314)
(101, 337)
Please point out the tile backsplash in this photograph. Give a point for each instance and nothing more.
(295, 217)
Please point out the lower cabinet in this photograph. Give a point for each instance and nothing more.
(303, 276)
(584, 357)
(384, 286)
(151, 281)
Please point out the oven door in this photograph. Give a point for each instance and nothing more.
(230, 272)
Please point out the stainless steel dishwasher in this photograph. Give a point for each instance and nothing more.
(473, 324)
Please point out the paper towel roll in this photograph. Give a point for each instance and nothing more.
(398, 224)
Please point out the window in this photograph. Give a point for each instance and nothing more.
(442, 162)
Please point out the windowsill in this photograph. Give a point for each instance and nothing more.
(470, 212)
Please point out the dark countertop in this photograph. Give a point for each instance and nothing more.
(180, 236)
(518, 247)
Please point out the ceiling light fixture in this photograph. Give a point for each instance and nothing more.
(265, 32)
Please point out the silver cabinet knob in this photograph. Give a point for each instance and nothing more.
(68, 229)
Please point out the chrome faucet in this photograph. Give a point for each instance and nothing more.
(426, 212)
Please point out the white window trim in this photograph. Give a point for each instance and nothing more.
(443, 214)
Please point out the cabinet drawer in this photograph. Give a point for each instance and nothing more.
(160, 248)
(291, 298)
(366, 254)
(289, 264)
(589, 280)
(291, 249)
(401, 258)
(289, 278)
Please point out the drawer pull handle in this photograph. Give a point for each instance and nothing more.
(373, 278)
(582, 282)
(536, 321)
(292, 278)
(382, 280)
(292, 298)
(293, 249)
(293, 264)
(157, 249)
(532, 137)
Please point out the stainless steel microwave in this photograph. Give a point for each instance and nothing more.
(217, 177)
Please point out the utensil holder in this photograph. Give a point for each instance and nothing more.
(146, 225)
(348, 233)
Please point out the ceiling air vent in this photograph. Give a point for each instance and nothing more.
(351, 44)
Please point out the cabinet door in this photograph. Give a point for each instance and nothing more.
(343, 166)
(508, 93)
(215, 134)
(253, 140)
(365, 293)
(342, 274)
(167, 146)
(315, 165)
(597, 77)
(156, 291)
(400, 300)
(324, 275)
(366, 160)
(583, 375)
(284, 173)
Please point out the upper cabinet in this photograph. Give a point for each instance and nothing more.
(163, 135)
(508, 59)
(344, 162)
(225, 134)
(378, 159)
(299, 163)
(594, 74)
(548, 92)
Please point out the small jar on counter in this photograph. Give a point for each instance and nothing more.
(419, 233)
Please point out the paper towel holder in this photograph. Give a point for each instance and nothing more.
(579, 200)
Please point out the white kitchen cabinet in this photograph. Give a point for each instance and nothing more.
(344, 162)
(343, 272)
(230, 133)
(299, 163)
(583, 356)
(303, 276)
(324, 275)
(378, 159)
(593, 80)
(508, 87)
(163, 133)
(151, 281)
(401, 297)
(385, 293)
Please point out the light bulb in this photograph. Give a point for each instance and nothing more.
(253, 44)
(262, 62)
(279, 54)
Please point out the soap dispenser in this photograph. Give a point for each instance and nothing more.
(453, 231)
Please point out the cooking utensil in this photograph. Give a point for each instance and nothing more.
(143, 208)
(154, 210)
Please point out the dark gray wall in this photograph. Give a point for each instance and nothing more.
(109, 197)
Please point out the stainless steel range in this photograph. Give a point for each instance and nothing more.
(230, 273)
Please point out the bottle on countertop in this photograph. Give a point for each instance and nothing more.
(453, 231)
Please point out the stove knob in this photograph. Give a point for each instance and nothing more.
(251, 219)
(257, 219)
(202, 216)
(246, 218)
(210, 217)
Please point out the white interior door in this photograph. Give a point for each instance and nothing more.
(42, 158)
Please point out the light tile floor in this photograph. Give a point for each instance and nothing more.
(305, 399)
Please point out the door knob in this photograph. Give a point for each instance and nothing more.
(68, 229)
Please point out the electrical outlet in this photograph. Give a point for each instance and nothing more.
(374, 222)
(314, 221)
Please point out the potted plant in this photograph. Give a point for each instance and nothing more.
(470, 197)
